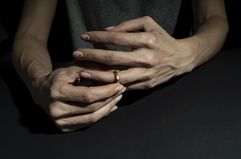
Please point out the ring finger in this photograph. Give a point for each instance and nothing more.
(125, 76)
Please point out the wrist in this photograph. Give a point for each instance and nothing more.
(188, 50)
(31, 58)
(33, 75)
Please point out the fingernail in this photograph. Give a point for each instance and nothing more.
(114, 108)
(118, 98)
(123, 90)
(85, 37)
(109, 28)
(85, 75)
(78, 54)
(119, 88)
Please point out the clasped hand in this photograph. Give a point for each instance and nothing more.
(74, 107)
(155, 57)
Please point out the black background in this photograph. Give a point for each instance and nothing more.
(195, 116)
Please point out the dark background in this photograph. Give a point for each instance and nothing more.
(201, 122)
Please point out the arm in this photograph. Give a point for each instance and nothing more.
(30, 55)
(71, 107)
(156, 57)
(210, 29)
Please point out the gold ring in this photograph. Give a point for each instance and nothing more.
(116, 75)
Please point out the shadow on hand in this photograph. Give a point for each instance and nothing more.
(135, 95)
(37, 121)
(31, 115)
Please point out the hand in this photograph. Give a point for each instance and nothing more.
(155, 57)
(74, 107)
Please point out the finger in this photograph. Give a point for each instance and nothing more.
(130, 75)
(77, 127)
(134, 40)
(114, 109)
(109, 57)
(146, 23)
(67, 74)
(83, 94)
(149, 83)
(62, 110)
(88, 118)
(125, 76)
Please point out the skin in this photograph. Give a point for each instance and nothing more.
(70, 107)
(156, 56)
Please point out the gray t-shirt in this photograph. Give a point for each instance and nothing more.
(87, 15)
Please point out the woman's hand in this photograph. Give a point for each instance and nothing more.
(155, 57)
(74, 107)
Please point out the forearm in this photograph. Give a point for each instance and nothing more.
(210, 30)
(30, 55)
(30, 58)
(208, 39)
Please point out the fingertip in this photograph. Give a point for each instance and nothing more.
(114, 108)
(118, 98)
(78, 53)
(85, 75)
(85, 37)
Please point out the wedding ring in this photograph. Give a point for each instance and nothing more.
(116, 76)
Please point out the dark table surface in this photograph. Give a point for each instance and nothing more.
(195, 116)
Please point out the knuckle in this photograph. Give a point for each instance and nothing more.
(150, 75)
(148, 18)
(92, 119)
(87, 97)
(57, 90)
(61, 123)
(149, 60)
(149, 86)
(151, 39)
(54, 92)
(93, 108)
(54, 111)
(115, 39)
(60, 74)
